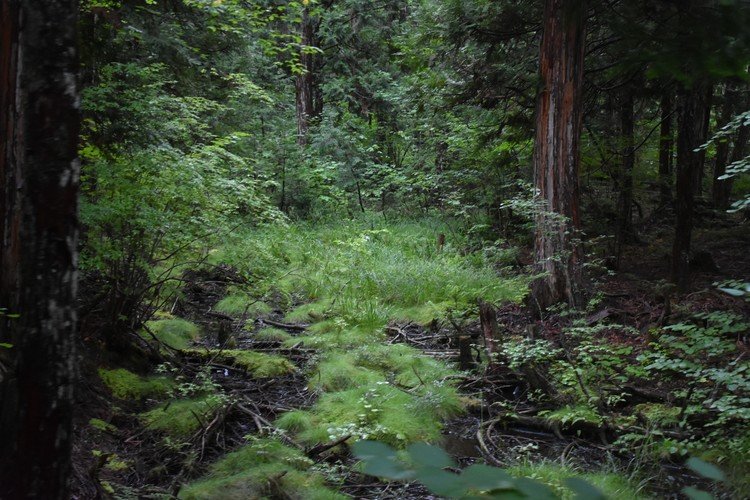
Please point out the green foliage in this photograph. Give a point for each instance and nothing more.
(177, 333)
(259, 364)
(238, 303)
(272, 334)
(263, 468)
(181, 418)
(127, 385)
(427, 465)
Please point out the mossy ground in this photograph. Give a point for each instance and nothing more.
(258, 364)
(264, 468)
(177, 333)
(127, 385)
(182, 417)
(352, 281)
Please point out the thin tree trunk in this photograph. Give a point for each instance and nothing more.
(624, 230)
(38, 225)
(556, 154)
(692, 107)
(665, 148)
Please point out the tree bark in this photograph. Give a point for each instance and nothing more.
(38, 225)
(556, 154)
(624, 230)
(692, 107)
(665, 149)
(304, 90)
(703, 132)
(719, 192)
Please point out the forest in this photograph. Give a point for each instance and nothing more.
(394, 249)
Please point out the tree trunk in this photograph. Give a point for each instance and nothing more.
(703, 132)
(624, 230)
(665, 149)
(719, 192)
(38, 223)
(304, 81)
(556, 154)
(692, 107)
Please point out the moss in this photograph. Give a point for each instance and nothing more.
(378, 411)
(264, 468)
(240, 303)
(339, 371)
(176, 333)
(659, 414)
(409, 366)
(327, 335)
(127, 385)
(260, 365)
(295, 421)
(423, 314)
(182, 417)
(272, 335)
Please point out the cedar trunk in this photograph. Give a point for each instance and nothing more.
(38, 224)
(304, 81)
(556, 154)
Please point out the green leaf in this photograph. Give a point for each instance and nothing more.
(583, 489)
(733, 292)
(486, 478)
(705, 469)
(696, 494)
(534, 489)
(7, 346)
(380, 460)
(440, 482)
(426, 455)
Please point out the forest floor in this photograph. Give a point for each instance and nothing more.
(288, 345)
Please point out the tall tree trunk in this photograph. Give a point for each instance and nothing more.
(556, 154)
(665, 148)
(38, 226)
(719, 192)
(304, 80)
(703, 132)
(691, 119)
(624, 230)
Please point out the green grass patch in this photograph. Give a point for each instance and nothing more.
(237, 303)
(614, 486)
(259, 364)
(125, 384)
(263, 469)
(182, 417)
(272, 335)
(377, 411)
(176, 333)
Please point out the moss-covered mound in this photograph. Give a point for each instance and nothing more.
(263, 469)
(127, 385)
(177, 333)
(259, 364)
(182, 417)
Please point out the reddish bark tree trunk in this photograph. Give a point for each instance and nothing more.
(556, 154)
(304, 81)
(38, 226)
